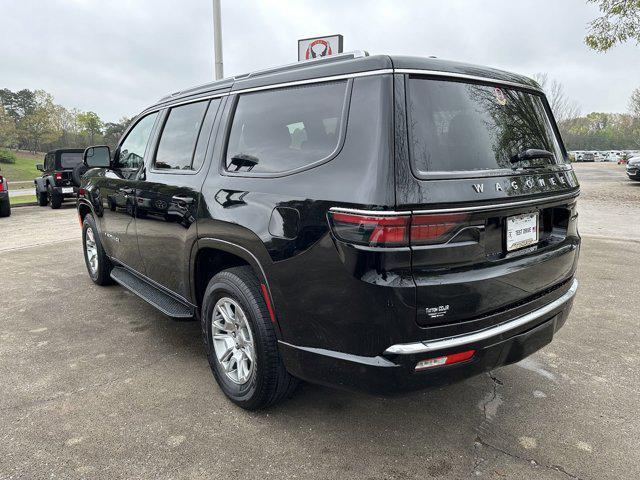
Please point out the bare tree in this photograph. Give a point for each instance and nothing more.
(563, 108)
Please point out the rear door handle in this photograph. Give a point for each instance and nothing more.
(178, 198)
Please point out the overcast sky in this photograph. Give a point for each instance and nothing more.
(116, 57)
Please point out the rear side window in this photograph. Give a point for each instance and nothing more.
(281, 130)
(70, 159)
(179, 136)
(457, 126)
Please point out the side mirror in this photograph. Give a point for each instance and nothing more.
(97, 157)
(40, 167)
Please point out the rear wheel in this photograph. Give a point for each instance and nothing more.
(98, 264)
(42, 198)
(54, 198)
(5, 208)
(242, 347)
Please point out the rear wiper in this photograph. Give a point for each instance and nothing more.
(530, 154)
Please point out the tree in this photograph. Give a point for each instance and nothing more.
(619, 23)
(114, 130)
(90, 124)
(36, 126)
(8, 132)
(634, 103)
(562, 107)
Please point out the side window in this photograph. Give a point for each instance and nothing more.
(177, 143)
(133, 147)
(205, 133)
(276, 131)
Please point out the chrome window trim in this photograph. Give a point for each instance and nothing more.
(497, 206)
(492, 206)
(466, 339)
(464, 76)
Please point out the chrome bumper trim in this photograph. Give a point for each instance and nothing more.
(452, 342)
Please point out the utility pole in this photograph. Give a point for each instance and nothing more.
(217, 39)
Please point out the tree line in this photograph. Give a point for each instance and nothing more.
(31, 120)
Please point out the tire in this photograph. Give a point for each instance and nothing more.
(268, 381)
(101, 270)
(42, 197)
(5, 208)
(55, 199)
(78, 171)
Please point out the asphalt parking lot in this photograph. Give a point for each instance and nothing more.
(97, 384)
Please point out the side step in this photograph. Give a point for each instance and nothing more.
(151, 294)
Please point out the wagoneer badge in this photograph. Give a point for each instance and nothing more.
(530, 183)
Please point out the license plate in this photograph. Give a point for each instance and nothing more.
(67, 189)
(522, 231)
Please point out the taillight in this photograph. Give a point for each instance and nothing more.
(436, 228)
(445, 360)
(1, 184)
(58, 176)
(371, 230)
(395, 230)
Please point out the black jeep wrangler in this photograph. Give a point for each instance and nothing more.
(5, 202)
(374, 223)
(60, 178)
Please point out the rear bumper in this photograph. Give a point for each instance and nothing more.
(634, 174)
(394, 370)
(64, 191)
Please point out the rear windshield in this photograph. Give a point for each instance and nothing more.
(456, 126)
(70, 159)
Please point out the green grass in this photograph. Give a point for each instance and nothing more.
(24, 168)
(20, 199)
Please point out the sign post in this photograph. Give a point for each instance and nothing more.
(317, 47)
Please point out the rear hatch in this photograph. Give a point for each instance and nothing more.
(494, 218)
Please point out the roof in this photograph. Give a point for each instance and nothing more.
(347, 64)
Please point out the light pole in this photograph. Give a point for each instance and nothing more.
(217, 39)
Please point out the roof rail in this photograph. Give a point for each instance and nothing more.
(304, 63)
(281, 68)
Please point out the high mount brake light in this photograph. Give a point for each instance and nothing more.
(396, 230)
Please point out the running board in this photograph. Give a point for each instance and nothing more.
(151, 294)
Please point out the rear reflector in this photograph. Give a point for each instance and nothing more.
(445, 360)
(396, 230)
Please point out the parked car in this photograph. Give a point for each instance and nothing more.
(5, 201)
(633, 168)
(588, 157)
(57, 181)
(366, 222)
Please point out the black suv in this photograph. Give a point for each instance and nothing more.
(60, 178)
(5, 202)
(374, 223)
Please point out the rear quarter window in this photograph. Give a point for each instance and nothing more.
(458, 127)
(286, 129)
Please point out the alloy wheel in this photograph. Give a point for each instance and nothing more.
(91, 250)
(233, 341)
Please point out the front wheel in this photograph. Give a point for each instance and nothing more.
(98, 264)
(242, 347)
